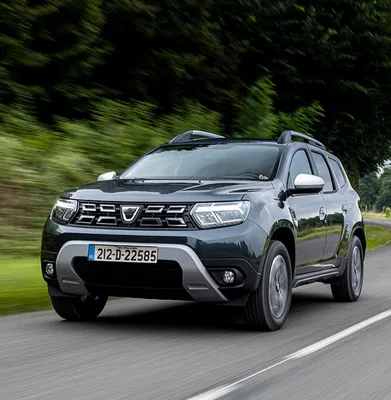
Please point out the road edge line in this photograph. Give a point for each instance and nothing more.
(306, 351)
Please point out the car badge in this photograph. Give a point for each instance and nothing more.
(129, 213)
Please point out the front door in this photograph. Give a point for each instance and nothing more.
(309, 213)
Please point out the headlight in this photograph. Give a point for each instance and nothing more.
(63, 210)
(214, 215)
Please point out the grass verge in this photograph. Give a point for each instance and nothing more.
(22, 288)
(377, 236)
(372, 215)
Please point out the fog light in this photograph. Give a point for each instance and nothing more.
(49, 269)
(228, 277)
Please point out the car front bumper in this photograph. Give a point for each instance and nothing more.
(199, 254)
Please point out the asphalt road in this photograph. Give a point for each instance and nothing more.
(382, 222)
(143, 349)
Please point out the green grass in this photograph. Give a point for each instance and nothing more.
(372, 215)
(22, 288)
(18, 240)
(377, 237)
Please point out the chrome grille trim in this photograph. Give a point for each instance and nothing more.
(106, 221)
(151, 222)
(88, 207)
(109, 208)
(176, 223)
(176, 209)
(85, 219)
(154, 209)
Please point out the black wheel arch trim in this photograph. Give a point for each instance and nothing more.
(279, 225)
(359, 231)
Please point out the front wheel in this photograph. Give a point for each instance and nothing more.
(349, 285)
(84, 308)
(267, 308)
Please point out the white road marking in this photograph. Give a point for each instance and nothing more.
(313, 348)
(339, 336)
(222, 390)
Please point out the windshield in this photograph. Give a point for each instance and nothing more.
(252, 161)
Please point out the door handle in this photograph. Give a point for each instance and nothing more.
(322, 213)
(344, 208)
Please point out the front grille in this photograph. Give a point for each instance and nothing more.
(162, 275)
(151, 216)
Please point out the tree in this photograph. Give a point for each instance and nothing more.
(165, 51)
(369, 190)
(52, 49)
(66, 54)
(15, 53)
(384, 198)
(258, 117)
(336, 52)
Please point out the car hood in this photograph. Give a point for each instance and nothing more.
(166, 191)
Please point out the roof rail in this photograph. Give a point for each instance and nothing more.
(185, 136)
(286, 137)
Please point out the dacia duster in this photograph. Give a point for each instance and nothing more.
(205, 218)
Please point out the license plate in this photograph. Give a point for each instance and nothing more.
(130, 254)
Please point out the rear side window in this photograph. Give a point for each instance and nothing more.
(338, 172)
(300, 165)
(324, 172)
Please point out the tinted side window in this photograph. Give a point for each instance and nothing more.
(324, 172)
(338, 172)
(300, 165)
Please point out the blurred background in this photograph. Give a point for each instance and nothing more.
(86, 86)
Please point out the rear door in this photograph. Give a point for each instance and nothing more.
(308, 212)
(335, 206)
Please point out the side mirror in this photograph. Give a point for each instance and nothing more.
(305, 183)
(107, 176)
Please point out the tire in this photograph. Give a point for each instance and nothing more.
(348, 288)
(85, 308)
(268, 307)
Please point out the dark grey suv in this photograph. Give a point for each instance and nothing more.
(229, 222)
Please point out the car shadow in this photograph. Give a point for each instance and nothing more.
(200, 317)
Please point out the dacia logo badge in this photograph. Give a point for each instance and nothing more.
(129, 214)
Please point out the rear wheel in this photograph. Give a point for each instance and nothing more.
(84, 308)
(349, 286)
(268, 307)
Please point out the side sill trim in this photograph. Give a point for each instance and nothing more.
(313, 277)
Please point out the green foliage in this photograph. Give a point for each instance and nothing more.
(38, 162)
(15, 20)
(50, 53)
(336, 53)
(164, 51)
(259, 118)
(369, 190)
(375, 191)
(334, 58)
(388, 212)
(384, 197)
